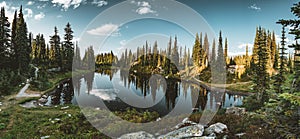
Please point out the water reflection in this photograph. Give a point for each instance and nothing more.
(119, 90)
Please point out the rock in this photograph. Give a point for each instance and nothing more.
(185, 122)
(235, 110)
(137, 135)
(239, 135)
(43, 100)
(189, 131)
(44, 96)
(216, 128)
(45, 137)
(62, 108)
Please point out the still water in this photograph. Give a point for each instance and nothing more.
(118, 90)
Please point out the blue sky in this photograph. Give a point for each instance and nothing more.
(116, 25)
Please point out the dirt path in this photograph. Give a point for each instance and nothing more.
(22, 93)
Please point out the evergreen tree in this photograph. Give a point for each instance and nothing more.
(196, 51)
(276, 58)
(5, 45)
(14, 52)
(41, 50)
(206, 46)
(68, 48)
(279, 78)
(226, 51)
(155, 54)
(77, 58)
(56, 49)
(273, 48)
(213, 52)
(220, 68)
(175, 54)
(261, 77)
(21, 42)
(255, 47)
(169, 50)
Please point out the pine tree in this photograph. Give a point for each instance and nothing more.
(226, 51)
(273, 48)
(175, 54)
(206, 46)
(21, 42)
(213, 52)
(169, 50)
(220, 68)
(5, 45)
(255, 47)
(68, 48)
(77, 58)
(196, 51)
(155, 54)
(42, 50)
(279, 78)
(199, 55)
(14, 52)
(56, 49)
(261, 77)
(276, 58)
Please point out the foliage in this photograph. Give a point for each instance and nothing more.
(133, 115)
(8, 81)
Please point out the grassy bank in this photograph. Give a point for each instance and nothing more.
(54, 78)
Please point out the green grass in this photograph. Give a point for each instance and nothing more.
(18, 122)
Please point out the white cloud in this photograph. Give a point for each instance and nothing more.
(41, 6)
(30, 3)
(65, 4)
(39, 16)
(143, 4)
(28, 13)
(123, 42)
(105, 30)
(43, 0)
(143, 7)
(144, 10)
(59, 16)
(255, 7)
(99, 3)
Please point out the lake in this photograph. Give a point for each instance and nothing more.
(117, 90)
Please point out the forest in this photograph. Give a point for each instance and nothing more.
(273, 74)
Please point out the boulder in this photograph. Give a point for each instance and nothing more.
(217, 128)
(185, 122)
(44, 96)
(186, 132)
(42, 100)
(239, 135)
(235, 110)
(137, 135)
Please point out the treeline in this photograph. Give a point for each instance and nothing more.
(277, 97)
(20, 52)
